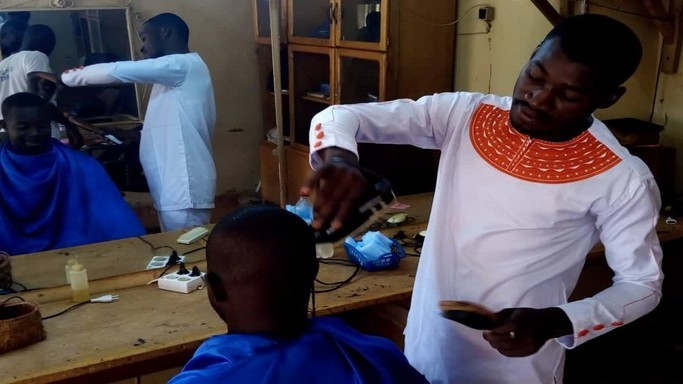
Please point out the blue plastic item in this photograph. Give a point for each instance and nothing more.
(304, 209)
(386, 261)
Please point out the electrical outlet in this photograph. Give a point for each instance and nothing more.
(161, 261)
(181, 283)
(486, 13)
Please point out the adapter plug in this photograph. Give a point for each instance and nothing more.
(173, 259)
(182, 270)
(195, 271)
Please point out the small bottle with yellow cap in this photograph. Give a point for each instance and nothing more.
(78, 278)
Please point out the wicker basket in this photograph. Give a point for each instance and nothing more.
(20, 324)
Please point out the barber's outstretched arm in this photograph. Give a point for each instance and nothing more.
(337, 186)
(163, 70)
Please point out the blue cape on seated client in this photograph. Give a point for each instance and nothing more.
(330, 352)
(58, 199)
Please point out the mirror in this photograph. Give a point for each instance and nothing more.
(88, 36)
(84, 37)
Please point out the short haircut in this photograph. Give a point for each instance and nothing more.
(598, 41)
(173, 22)
(264, 244)
(39, 37)
(21, 100)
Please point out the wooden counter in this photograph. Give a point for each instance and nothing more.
(150, 329)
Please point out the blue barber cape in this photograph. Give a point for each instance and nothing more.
(58, 199)
(329, 352)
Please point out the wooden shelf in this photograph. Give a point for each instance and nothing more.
(317, 99)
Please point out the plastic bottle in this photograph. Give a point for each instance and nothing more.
(304, 208)
(78, 277)
(67, 268)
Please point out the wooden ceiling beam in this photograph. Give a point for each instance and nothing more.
(548, 11)
(665, 23)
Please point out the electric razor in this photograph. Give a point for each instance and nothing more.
(373, 200)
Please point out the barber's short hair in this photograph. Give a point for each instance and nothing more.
(21, 100)
(172, 21)
(40, 37)
(602, 43)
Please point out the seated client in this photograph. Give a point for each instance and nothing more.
(261, 267)
(53, 196)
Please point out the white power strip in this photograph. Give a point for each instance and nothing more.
(181, 283)
(161, 261)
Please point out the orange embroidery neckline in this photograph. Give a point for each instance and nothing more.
(539, 161)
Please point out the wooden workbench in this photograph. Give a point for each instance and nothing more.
(149, 329)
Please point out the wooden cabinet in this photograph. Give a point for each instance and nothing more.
(358, 51)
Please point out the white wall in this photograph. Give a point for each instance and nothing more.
(491, 62)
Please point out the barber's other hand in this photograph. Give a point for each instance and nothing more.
(46, 76)
(5, 270)
(523, 331)
(337, 186)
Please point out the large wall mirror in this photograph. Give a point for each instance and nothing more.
(84, 37)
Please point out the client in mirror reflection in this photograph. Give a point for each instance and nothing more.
(175, 147)
(261, 266)
(53, 196)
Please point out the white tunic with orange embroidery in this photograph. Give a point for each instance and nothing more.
(512, 221)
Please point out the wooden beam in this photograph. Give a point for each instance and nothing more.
(662, 19)
(548, 11)
(671, 53)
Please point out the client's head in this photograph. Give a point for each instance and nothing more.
(27, 123)
(39, 37)
(261, 265)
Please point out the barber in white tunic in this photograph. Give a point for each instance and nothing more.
(527, 185)
(175, 146)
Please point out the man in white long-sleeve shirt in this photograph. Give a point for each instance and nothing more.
(175, 146)
(527, 185)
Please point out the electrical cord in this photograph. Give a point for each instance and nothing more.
(193, 251)
(333, 286)
(101, 299)
(445, 24)
(152, 245)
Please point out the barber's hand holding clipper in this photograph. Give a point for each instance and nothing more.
(337, 185)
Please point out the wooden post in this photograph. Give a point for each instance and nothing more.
(277, 89)
(671, 53)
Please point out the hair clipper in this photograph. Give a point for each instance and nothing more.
(373, 200)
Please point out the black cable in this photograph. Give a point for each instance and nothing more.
(626, 12)
(10, 298)
(66, 310)
(152, 245)
(193, 251)
(23, 287)
(337, 284)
